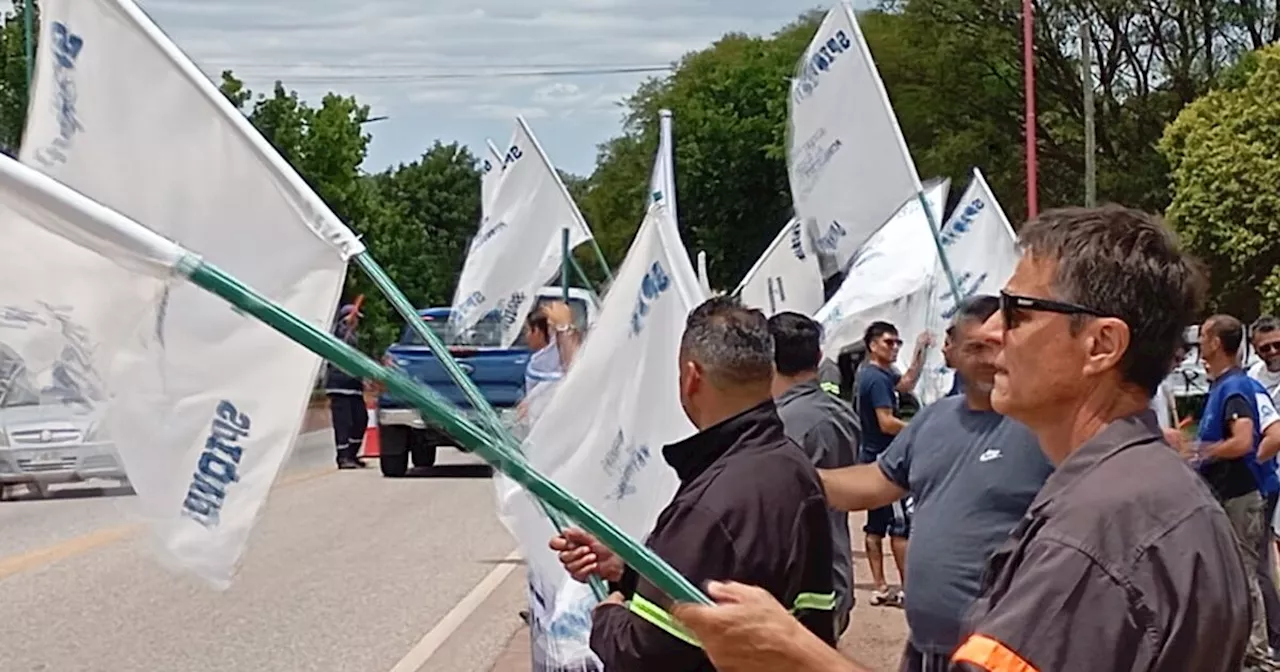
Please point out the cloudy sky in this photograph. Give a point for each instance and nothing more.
(454, 69)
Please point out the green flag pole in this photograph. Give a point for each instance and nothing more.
(595, 247)
(440, 411)
(582, 275)
(564, 262)
(935, 228)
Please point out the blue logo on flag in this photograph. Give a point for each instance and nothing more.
(219, 466)
(655, 282)
(962, 224)
(65, 46)
(819, 62)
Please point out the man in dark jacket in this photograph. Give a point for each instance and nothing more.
(346, 396)
(749, 504)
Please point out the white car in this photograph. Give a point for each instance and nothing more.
(46, 440)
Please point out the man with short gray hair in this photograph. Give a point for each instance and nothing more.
(749, 505)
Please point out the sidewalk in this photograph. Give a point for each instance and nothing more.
(875, 636)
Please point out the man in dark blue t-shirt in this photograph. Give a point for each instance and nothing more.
(878, 387)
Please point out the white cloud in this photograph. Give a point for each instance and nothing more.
(508, 112)
(560, 94)
(445, 69)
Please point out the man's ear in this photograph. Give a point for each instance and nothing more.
(690, 377)
(1107, 342)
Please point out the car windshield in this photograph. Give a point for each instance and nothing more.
(17, 387)
(488, 332)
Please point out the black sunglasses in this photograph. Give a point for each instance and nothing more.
(1010, 304)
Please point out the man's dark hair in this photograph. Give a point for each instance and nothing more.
(730, 341)
(876, 330)
(977, 308)
(1264, 325)
(1127, 264)
(797, 343)
(537, 321)
(1228, 330)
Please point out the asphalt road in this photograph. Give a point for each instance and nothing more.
(346, 571)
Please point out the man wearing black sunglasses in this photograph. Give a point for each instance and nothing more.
(1265, 335)
(878, 386)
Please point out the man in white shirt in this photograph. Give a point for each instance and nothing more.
(554, 339)
(1163, 402)
(1266, 342)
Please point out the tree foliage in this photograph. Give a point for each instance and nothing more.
(425, 214)
(13, 78)
(729, 104)
(1224, 154)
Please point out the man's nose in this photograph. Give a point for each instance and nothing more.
(992, 331)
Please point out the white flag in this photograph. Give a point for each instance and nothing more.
(846, 157)
(982, 249)
(786, 277)
(490, 177)
(602, 434)
(704, 278)
(518, 247)
(119, 113)
(662, 179)
(890, 280)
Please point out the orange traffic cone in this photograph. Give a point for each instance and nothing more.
(372, 446)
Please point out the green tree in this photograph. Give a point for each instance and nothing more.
(964, 60)
(13, 78)
(325, 144)
(729, 104)
(423, 217)
(1224, 154)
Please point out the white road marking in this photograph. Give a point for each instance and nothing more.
(431, 642)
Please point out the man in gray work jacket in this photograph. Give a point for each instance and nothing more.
(823, 425)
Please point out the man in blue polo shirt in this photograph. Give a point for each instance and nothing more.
(1230, 431)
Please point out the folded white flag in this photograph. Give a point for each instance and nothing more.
(519, 244)
(601, 434)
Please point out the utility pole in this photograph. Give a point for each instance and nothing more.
(1029, 92)
(1090, 140)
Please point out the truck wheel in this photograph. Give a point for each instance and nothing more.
(424, 457)
(393, 459)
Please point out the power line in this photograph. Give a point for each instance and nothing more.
(427, 77)
(421, 65)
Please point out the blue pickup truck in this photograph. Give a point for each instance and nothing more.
(498, 372)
